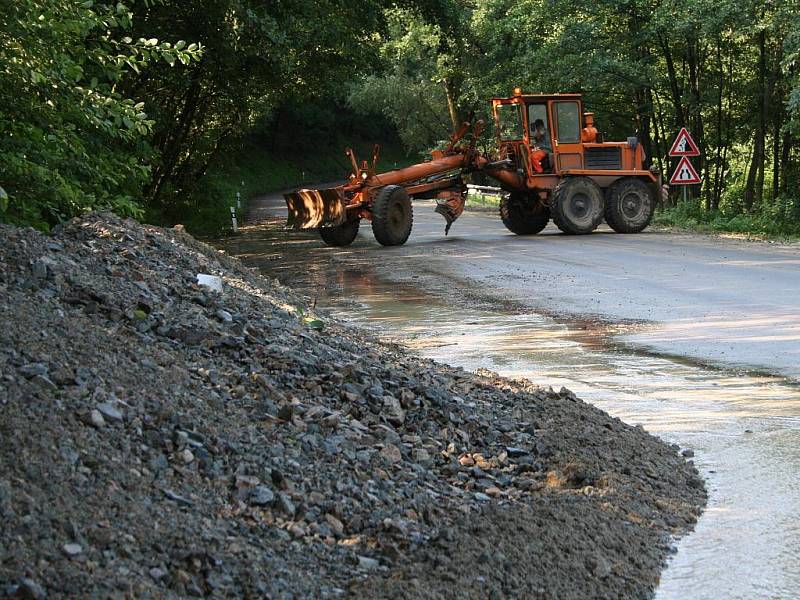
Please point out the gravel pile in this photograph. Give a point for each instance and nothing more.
(161, 439)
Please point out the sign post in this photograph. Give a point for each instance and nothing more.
(684, 174)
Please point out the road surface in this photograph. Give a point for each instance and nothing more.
(712, 299)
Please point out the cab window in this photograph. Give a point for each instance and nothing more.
(509, 122)
(537, 122)
(569, 124)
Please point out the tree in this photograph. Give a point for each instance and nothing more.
(73, 141)
(258, 56)
(410, 89)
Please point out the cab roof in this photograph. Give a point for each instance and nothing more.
(537, 97)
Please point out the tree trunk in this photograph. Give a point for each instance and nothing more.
(778, 116)
(643, 123)
(175, 140)
(751, 194)
(450, 94)
(766, 105)
(777, 125)
(674, 85)
(786, 148)
(659, 151)
(728, 131)
(786, 155)
(713, 200)
(660, 120)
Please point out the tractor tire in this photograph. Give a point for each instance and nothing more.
(629, 205)
(392, 216)
(342, 235)
(577, 205)
(523, 214)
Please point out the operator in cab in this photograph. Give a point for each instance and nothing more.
(540, 142)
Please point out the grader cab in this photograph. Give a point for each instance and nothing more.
(548, 160)
(560, 169)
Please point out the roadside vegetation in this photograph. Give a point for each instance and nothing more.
(774, 221)
(482, 200)
(163, 110)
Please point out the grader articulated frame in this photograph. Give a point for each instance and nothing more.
(385, 198)
(548, 159)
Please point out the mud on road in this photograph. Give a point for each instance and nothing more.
(160, 439)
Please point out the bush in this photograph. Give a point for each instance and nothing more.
(775, 218)
(71, 142)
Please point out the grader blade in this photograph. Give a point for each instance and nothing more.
(450, 204)
(311, 209)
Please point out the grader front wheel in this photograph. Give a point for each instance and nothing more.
(523, 214)
(342, 235)
(392, 216)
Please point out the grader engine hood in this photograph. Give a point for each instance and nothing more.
(311, 209)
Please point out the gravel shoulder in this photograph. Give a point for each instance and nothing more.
(159, 439)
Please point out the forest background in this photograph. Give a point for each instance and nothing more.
(165, 109)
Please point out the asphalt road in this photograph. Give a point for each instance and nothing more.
(713, 299)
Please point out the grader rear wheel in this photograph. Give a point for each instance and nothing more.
(523, 214)
(577, 205)
(342, 235)
(629, 205)
(392, 216)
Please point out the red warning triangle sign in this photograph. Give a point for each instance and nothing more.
(684, 174)
(684, 145)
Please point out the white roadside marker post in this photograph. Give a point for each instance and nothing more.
(234, 222)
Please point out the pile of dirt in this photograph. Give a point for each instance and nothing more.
(160, 439)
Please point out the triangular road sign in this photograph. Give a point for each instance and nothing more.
(684, 145)
(684, 174)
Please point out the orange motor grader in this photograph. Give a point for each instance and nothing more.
(548, 159)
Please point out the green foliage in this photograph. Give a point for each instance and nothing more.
(72, 141)
(775, 219)
(489, 201)
(261, 59)
(98, 111)
(408, 90)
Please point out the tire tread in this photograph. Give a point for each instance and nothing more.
(513, 219)
(613, 218)
(343, 235)
(381, 227)
(557, 206)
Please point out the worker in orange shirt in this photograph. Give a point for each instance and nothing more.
(538, 139)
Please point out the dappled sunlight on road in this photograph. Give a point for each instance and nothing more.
(759, 263)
